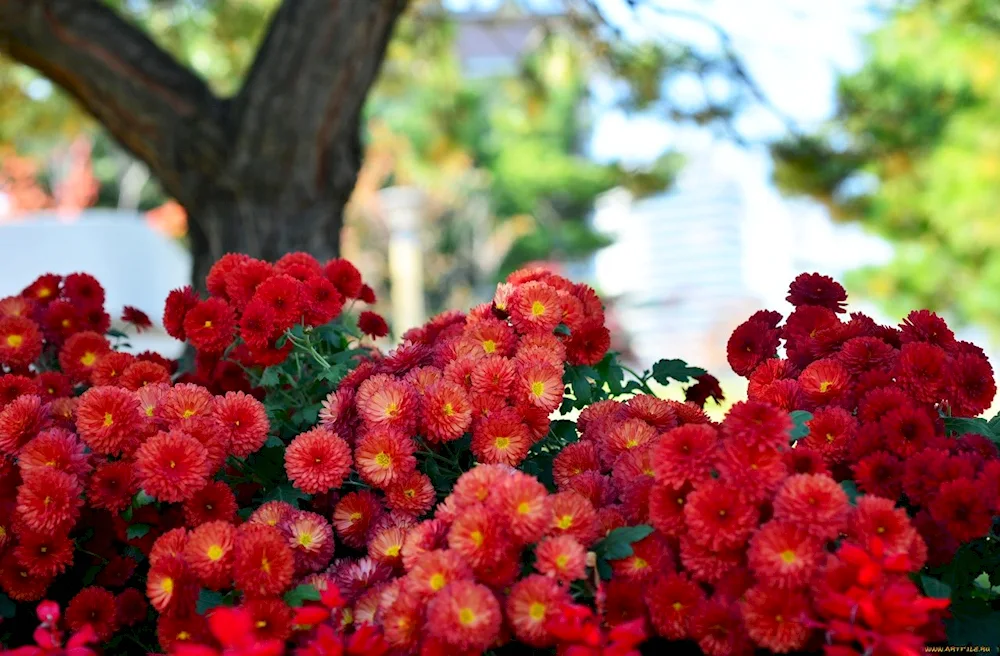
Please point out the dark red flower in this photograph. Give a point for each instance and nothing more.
(137, 318)
(371, 323)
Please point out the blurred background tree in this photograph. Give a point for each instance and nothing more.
(913, 153)
(499, 153)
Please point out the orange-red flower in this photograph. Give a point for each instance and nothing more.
(447, 412)
(264, 564)
(383, 456)
(353, 515)
(172, 466)
(209, 553)
(80, 354)
(49, 500)
(311, 540)
(501, 439)
(784, 555)
(464, 615)
(108, 418)
(20, 421)
(20, 341)
(532, 603)
(317, 461)
(112, 486)
(814, 502)
(535, 307)
(573, 514)
(213, 503)
(210, 325)
(45, 554)
(672, 600)
(776, 619)
(412, 493)
(561, 557)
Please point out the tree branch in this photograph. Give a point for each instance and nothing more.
(316, 64)
(157, 108)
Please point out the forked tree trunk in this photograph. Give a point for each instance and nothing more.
(265, 172)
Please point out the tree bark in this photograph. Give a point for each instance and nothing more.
(265, 172)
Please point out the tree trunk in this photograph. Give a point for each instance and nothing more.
(266, 172)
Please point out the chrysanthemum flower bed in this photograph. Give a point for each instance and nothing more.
(291, 489)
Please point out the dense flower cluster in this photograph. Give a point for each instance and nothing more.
(441, 500)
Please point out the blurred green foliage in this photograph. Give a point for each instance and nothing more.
(913, 153)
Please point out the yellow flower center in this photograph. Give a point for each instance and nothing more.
(538, 388)
(477, 538)
(355, 516)
(167, 585)
(466, 616)
(383, 460)
(265, 565)
(173, 464)
(392, 551)
(88, 359)
(391, 409)
(524, 508)
(14, 340)
(562, 560)
(108, 419)
(65, 323)
(880, 530)
(639, 563)
(536, 611)
(564, 522)
(678, 606)
(448, 410)
(208, 323)
(779, 619)
(825, 385)
(409, 493)
(183, 635)
(537, 309)
(632, 443)
(215, 552)
(437, 581)
(502, 442)
(189, 413)
(305, 539)
(260, 624)
(489, 346)
(788, 556)
(149, 411)
(44, 292)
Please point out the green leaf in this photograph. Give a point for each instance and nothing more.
(799, 419)
(7, 607)
(114, 332)
(563, 431)
(852, 491)
(562, 329)
(136, 531)
(618, 543)
(301, 594)
(274, 440)
(974, 425)
(142, 499)
(973, 623)
(581, 386)
(935, 588)
(91, 574)
(983, 581)
(207, 600)
(287, 493)
(666, 370)
(604, 569)
(269, 378)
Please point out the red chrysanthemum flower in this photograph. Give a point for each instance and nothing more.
(317, 461)
(878, 518)
(412, 493)
(573, 514)
(171, 587)
(209, 325)
(386, 546)
(717, 627)
(965, 508)
(922, 369)
(49, 500)
(142, 374)
(562, 558)
(540, 385)
(180, 631)
(383, 400)
(803, 460)
(353, 515)
(172, 466)
(112, 486)
(81, 352)
(970, 386)
(477, 536)
(751, 343)
(814, 503)
(784, 555)
(535, 307)
(672, 600)
(825, 382)
(311, 540)
(756, 424)
(139, 319)
(220, 272)
(478, 485)
(95, 607)
(532, 603)
(130, 607)
(213, 503)
(427, 536)
(628, 435)
(464, 616)
(209, 553)
(244, 421)
(84, 290)
(264, 564)
(43, 289)
(686, 453)
(13, 386)
(54, 448)
(372, 324)
(258, 326)
(20, 421)
(345, 277)
(323, 303)
(831, 431)
(271, 619)
(862, 354)
(382, 456)
(179, 303)
(20, 341)
(447, 413)
(880, 474)
(776, 619)
(244, 279)
(108, 418)
(501, 438)
(169, 547)
(718, 518)
(660, 414)
(523, 504)
(666, 508)
(18, 581)
(574, 459)
(283, 295)
(44, 554)
(816, 289)
(188, 407)
(925, 326)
